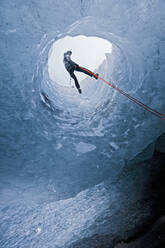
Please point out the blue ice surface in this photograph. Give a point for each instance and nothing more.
(56, 157)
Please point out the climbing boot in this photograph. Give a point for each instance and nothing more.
(96, 76)
(79, 90)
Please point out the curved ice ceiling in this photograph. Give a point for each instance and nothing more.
(100, 113)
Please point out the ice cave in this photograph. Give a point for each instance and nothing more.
(82, 171)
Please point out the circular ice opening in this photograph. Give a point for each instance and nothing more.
(88, 52)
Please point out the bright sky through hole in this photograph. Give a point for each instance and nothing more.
(88, 52)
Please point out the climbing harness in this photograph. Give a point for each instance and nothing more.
(146, 107)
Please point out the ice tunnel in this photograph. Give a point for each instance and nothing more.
(77, 170)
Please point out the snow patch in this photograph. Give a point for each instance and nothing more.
(84, 147)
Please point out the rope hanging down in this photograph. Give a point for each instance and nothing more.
(146, 107)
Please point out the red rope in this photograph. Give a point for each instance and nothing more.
(146, 107)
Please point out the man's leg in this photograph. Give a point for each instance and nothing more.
(76, 81)
(88, 72)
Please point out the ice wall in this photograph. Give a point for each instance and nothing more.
(53, 151)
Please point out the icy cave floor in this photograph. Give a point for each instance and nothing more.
(86, 219)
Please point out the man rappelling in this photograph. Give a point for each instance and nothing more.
(71, 66)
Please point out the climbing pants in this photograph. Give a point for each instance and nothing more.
(71, 72)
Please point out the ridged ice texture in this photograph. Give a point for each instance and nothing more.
(51, 151)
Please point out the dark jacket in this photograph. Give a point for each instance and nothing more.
(69, 64)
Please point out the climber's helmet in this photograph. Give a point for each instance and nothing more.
(69, 52)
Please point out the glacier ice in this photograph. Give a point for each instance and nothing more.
(46, 183)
